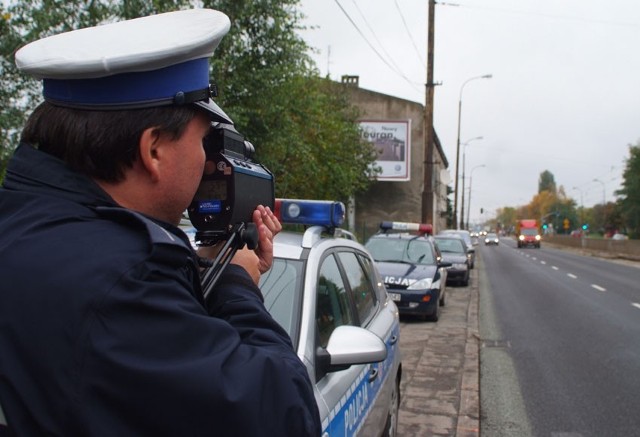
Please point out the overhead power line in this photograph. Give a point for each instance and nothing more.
(373, 32)
(420, 56)
(393, 68)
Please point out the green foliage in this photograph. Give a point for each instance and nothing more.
(20, 23)
(508, 217)
(303, 128)
(629, 195)
(546, 182)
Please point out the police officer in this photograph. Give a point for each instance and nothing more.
(103, 328)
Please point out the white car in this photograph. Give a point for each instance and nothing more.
(325, 290)
(491, 238)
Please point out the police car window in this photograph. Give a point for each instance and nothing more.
(414, 251)
(332, 306)
(372, 273)
(420, 252)
(281, 287)
(385, 249)
(361, 285)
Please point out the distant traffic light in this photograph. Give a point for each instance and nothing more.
(544, 226)
(585, 227)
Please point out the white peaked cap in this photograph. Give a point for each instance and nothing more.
(151, 61)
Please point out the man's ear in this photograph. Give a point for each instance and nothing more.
(148, 147)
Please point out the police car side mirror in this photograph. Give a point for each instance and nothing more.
(350, 345)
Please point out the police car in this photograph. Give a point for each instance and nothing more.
(412, 267)
(324, 289)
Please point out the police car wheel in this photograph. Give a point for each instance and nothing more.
(391, 427)
(435, 316)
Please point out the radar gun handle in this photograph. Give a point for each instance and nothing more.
(242, 233)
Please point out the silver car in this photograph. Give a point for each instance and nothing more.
(325, 290)
(466, 236)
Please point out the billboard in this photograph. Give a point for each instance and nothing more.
(392, 140)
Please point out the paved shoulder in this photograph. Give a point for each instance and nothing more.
(440, 382)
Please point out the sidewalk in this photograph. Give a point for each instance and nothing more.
(440, 369)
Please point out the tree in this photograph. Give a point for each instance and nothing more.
(541, 205)
(546, 182)
(508, 217)
(629, 194)
(20, 23)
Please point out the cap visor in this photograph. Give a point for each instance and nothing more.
(214, 111)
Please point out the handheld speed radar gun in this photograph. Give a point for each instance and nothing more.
(232, 186)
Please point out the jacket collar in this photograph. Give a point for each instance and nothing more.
(34, 171)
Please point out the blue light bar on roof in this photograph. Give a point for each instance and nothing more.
(310, 212)
(420, 228)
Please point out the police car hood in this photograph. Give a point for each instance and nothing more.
(397, 271)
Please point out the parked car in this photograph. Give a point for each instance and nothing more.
(491, 238)
(466, 236)
(325, 291)
(618, 236)
(412, 268)
(454, 250)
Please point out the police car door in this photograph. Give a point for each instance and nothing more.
(350, 394)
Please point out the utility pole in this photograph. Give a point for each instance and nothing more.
(428, 196)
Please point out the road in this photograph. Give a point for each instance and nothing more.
(560, 349)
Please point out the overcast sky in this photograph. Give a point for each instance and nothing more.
(564, 96)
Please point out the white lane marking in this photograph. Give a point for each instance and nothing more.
(635, 304)
(554, 268)
(534, 258)
(599, 288)
(543, 262)
(571, 275)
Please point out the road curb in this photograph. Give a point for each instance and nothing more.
(469, 412)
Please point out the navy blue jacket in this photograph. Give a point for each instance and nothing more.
(103, 330)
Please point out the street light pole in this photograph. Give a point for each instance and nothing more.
(470, 181)
(604, 205)
(455, 195)
(581, 206)
(464, 153)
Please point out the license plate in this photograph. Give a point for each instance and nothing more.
(395, 297)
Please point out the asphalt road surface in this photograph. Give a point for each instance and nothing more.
(560, 344)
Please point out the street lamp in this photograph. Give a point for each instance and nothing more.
(464, 152)
(581, 206)
(455, 201)
(604, 205)
(470, 181)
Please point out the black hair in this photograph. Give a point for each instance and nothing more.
(100, 144)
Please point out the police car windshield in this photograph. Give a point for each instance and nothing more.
(412, 251)
(281, 287)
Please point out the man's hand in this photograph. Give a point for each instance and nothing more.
(258, 261)
(268, 226)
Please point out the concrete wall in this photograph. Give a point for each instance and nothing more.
(626, 249)
(398, 201)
